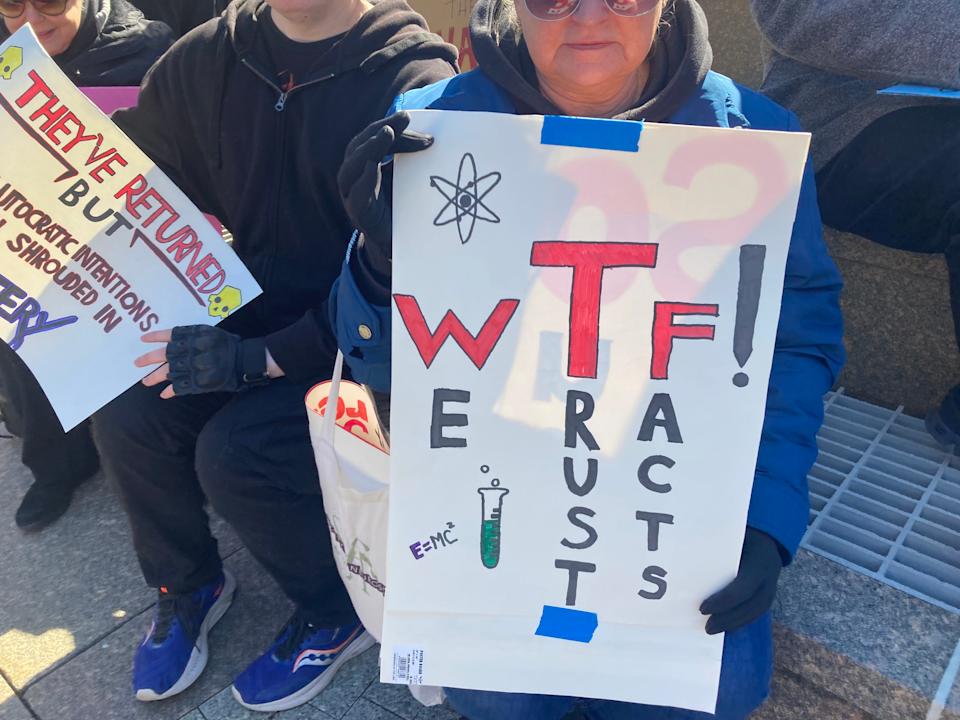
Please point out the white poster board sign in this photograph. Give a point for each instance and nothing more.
(582, 341)
(97, 245)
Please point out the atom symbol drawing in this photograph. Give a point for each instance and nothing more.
(465, 198)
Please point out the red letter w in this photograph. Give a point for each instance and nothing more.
(477, 348)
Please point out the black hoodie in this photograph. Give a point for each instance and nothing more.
(679, 60)
(265, 161)
(115, 45)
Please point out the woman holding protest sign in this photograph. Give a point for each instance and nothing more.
(96, 43)
(627, 60)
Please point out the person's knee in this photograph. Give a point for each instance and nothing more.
(258, 445)
(127, 422)
(228, 460)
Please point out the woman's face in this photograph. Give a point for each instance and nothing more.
(54, 32)
(591, 49)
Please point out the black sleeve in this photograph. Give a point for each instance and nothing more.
(420, 73)
(172, 122)
(373, 278)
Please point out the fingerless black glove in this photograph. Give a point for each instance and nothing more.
(204, 359)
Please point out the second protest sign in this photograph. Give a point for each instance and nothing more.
(97, 245)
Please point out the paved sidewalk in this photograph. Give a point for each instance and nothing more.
(73, 607)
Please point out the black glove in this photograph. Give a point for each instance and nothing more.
(204, 359)
(365, 199)
(752, 592)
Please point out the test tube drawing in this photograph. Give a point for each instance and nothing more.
(491, 500)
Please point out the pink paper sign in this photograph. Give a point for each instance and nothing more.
(109, 99)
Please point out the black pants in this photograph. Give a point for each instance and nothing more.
(54, 457)
(898, 183)
(250, 454)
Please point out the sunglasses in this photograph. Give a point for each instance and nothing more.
(14, 8)
(562, 9)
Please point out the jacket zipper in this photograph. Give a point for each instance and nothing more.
(283, 95)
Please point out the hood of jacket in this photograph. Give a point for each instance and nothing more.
(679, 59)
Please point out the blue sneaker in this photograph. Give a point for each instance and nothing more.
(299, 665)
(174, 652)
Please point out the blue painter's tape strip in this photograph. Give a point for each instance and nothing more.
(591, 133)
(921, 91)
(567, 624)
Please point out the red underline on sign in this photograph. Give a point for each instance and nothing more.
(139, 235)
(70, 169)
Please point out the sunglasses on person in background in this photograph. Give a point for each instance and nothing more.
(561, 9)
(14, 8)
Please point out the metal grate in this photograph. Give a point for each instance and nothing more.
(885, 500)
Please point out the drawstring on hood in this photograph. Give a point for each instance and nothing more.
(679, 59)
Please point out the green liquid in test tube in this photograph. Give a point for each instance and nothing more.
(491, 506)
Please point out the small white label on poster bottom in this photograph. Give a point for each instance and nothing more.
(408, 665)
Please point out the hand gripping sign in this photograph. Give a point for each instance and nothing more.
(97, 245)
(583, 330)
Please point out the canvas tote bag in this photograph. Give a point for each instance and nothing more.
(353, 460)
